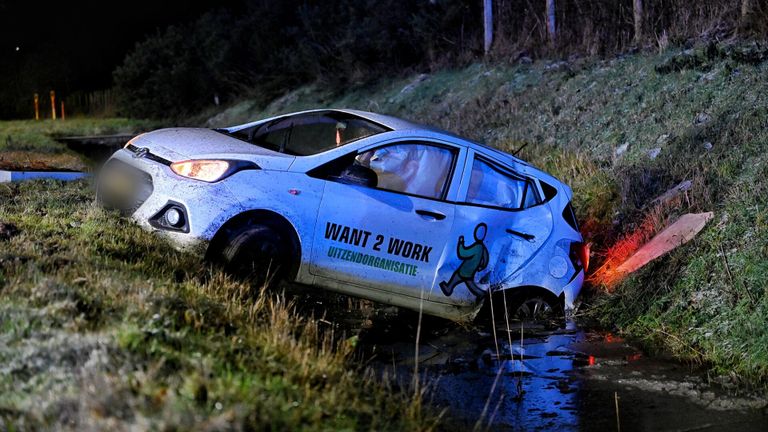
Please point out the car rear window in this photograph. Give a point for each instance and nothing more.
(570, 217)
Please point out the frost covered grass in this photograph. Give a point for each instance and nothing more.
(103, 326)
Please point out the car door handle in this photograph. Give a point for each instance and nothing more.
(529, 237)
(426, 214)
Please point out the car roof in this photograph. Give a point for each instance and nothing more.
(397, 124)
(389, 122)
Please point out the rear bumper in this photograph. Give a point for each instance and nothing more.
(571, 291)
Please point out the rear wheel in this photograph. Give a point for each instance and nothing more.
(528, 305)
(534, 309)
(257, 253)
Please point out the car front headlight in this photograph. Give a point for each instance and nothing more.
(205, 170)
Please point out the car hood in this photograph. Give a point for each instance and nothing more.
(177, 144)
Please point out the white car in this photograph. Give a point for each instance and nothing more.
(360, 203)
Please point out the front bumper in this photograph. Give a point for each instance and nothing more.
(207, 205)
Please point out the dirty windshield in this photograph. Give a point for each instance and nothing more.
(309, 134)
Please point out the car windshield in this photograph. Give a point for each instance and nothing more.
(308, 134)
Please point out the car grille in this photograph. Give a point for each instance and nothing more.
(123, 187)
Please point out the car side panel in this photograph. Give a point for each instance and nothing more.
(294, 196)
(510, 256)
(377, 238)
(514, 261)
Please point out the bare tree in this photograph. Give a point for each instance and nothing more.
(551, 28)
(638, 13)
(747, 9)
(488, 24)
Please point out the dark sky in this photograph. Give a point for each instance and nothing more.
(77, 44)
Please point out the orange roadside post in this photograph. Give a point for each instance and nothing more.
(63, 114)
(37, 106)
(53, 104)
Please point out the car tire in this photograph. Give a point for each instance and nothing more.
(534, 309)
(522, 306)
(256, 253)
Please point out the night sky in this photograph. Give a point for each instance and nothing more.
(75, 45)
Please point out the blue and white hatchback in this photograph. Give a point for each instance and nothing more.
(361, 203)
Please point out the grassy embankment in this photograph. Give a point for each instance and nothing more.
(102, 326)
(622, 132)
(30, 145)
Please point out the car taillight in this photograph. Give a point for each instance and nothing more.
(580, 255)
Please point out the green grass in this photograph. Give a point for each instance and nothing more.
(29, 144)
(103, 325)
(708, 302)
(38, 136)
(571, 117)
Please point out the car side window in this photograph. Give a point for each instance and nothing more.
(412, 168)
(491, 186)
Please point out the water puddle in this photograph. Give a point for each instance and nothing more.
(15, 176)
(95, 150)
(572, 379)
(566, 379)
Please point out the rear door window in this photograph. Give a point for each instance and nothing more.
(492, 186)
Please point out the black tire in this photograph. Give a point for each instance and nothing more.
(522, 306)
(256, 253)
(535, 309)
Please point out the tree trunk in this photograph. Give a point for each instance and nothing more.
(746, 8)
(638, 13)
(488, 24)
(746, 15)
(551, 28)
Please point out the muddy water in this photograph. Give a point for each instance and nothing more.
(569, 378)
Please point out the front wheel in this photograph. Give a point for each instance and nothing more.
(257, 253)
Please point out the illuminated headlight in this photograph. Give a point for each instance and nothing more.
(173, 217)
(205, 170)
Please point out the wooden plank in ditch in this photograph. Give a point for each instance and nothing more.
(677, 234)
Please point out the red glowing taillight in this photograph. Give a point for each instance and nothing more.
(580, 255)
(585, 255)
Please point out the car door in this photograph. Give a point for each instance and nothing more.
(390, 237)
(499, 225)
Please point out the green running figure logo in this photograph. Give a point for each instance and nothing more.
(474, 259)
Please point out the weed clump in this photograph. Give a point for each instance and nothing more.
(7, 230)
